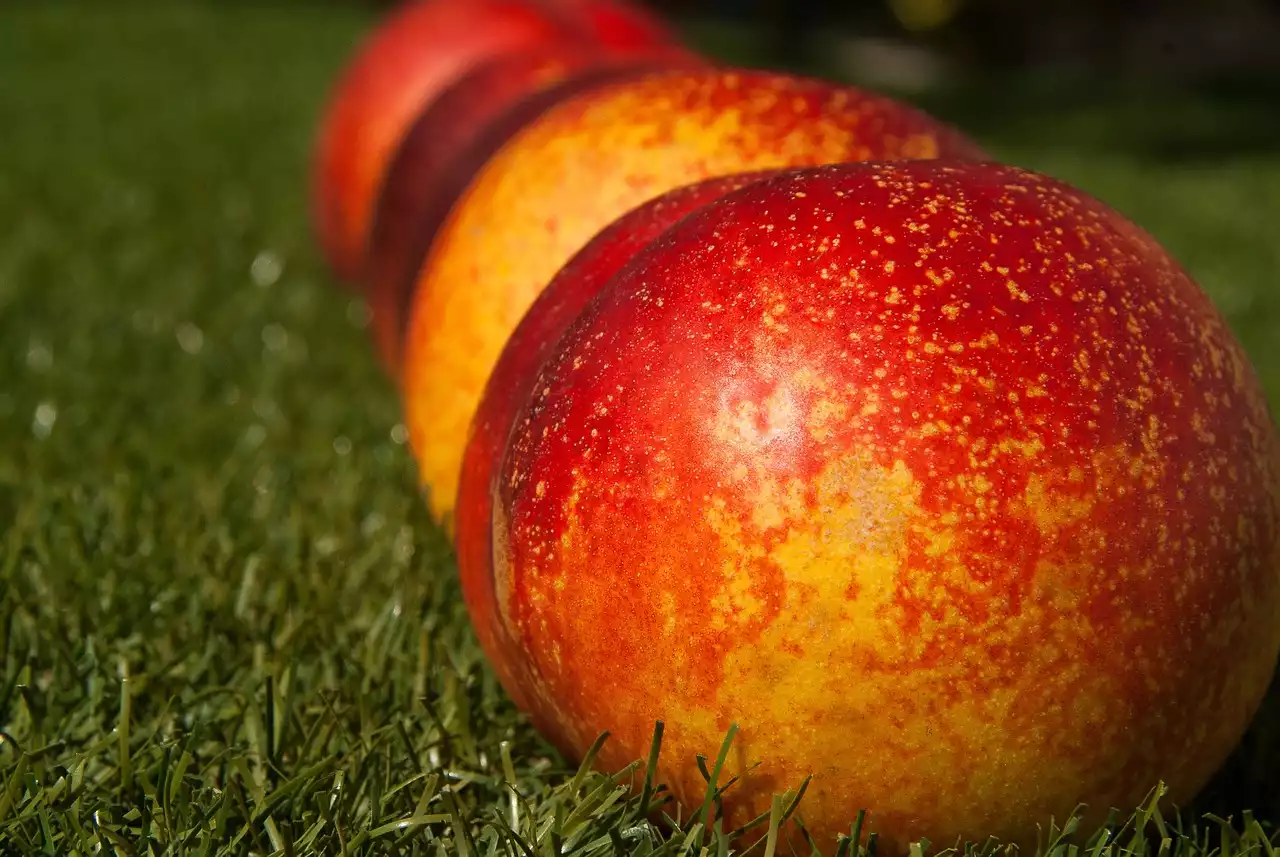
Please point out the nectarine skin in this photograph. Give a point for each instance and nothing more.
(448, 144)
(943, 481)
(419, 50)
(585, 162)
(511, 383)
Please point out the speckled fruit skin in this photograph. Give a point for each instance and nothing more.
(511, 383)
(448, 144)
(577, 167)
(943, 481)
(417, 52)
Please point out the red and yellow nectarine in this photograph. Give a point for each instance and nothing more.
(421, 49)
(583, 163)
(449, 143)
(943, 481)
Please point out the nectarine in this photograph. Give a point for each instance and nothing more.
(448, 144)
(942, 480)
(417, 52)
(575, 168)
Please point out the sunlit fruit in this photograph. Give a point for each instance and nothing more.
(943, 481)
(448, 144)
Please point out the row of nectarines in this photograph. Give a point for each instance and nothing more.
(762, 400)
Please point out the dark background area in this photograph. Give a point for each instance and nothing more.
(919, 43)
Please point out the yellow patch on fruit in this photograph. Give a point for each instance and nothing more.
(916, 687)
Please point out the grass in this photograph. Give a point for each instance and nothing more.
(226, 624)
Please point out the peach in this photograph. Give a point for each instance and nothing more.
(511, 383)
(579, 165)
(943, 481)
(416, 53)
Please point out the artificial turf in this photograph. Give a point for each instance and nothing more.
(226, 623)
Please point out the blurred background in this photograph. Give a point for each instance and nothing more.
(922, 43)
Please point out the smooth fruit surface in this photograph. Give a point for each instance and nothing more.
(943, 481)
(580, 165)
(448, 144)
(511, 383)
(417, 52)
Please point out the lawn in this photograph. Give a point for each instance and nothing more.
(226, 623)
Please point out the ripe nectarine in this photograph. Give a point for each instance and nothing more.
(578, 166)
(448, 144)
(943, 481)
